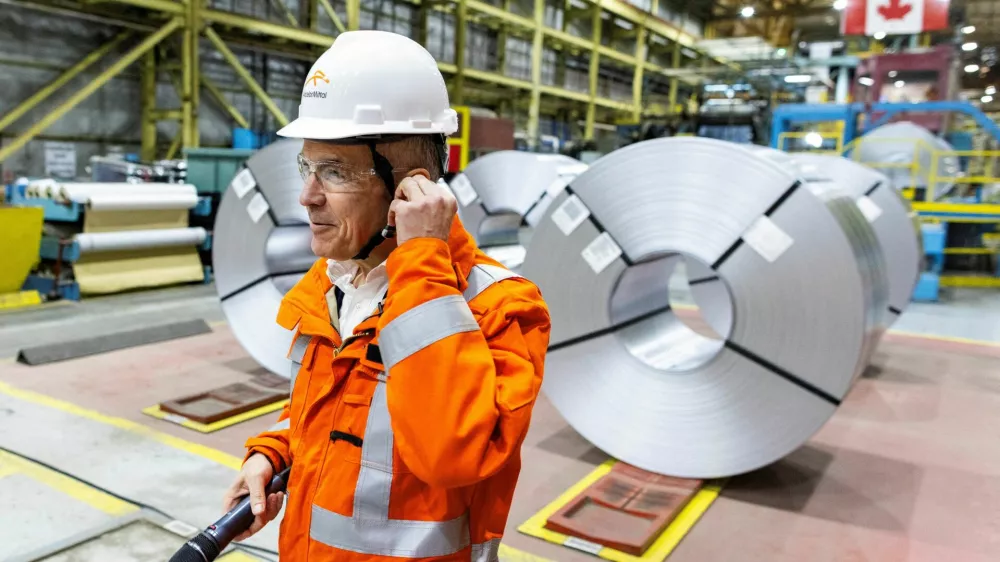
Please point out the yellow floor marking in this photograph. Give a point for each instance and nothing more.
(157, 413)
(237, 556)
(659, 550)
(77, 490)
(209, 453)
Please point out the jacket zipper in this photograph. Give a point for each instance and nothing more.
(351, 338)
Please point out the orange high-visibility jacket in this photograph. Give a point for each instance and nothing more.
(405, 436)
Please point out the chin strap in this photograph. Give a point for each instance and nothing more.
(384, 170)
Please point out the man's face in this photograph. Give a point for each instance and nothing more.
(347, 204)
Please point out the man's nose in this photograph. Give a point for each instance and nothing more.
(312, 193)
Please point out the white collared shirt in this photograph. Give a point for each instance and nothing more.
(359, 302)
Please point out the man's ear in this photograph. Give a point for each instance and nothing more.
(418, 172)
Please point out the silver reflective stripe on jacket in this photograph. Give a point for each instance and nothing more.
(488, 551)
(369, 530)
(419, 327)
(297, 355)
(281, 426)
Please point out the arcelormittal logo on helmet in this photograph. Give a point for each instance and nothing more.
(315, 79)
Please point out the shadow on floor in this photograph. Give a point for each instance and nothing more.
(841, 485)
(568, 443)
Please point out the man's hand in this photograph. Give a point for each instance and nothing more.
(253, 480)
(422, 209)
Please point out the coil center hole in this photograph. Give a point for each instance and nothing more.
(674, 312)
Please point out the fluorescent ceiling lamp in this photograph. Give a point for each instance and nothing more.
(781, 52)
(972, 68)
(899, 83)
(798, 78)
(867, 81)
(968, 29)
(892, 73)
(986, 99)
(879, 35)
(990, 90)
(970, 46)
(814, 139)
(747, 11)
(839, 4)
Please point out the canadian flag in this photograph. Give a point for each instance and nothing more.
(894, 17)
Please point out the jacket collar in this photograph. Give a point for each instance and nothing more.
(305, 303)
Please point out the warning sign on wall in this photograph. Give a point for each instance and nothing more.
(60, 160)
(894, 17)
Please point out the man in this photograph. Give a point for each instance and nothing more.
(417, 359)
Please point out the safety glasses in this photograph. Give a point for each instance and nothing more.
(335, 176)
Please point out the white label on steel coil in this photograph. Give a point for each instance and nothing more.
(767, 239)
(601, 252)
(557, 185)
(257, 207)
(869, 208)
(580, 544)
(570, 214)
(243, 183)
(463, 190)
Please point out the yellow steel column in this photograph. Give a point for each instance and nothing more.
(91, 87)
(537, 46)
(637, 78)
(194, 26)
(60, 81)
(675, 63)
(148, 93)
(187, 85)
(595, 61)
(353, 14)
(245, 75)
(461, 17)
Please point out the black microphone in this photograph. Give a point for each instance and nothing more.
(209, 543)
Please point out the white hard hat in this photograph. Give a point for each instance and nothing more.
(373, 83)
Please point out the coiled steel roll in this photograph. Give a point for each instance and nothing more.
(500, 192)
(892, 220)
(894, 147)
(625, 372)
(260, 249)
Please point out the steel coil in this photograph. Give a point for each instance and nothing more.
(261, 248)
(909, 154)
(630, 377)
(502, 191)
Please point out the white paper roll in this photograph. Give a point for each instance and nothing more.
(637, 383)
(82, 192)
(141, 201)
(500, 191)
(139, 239)
(260, 248)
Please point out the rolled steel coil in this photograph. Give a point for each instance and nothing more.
(630, 377)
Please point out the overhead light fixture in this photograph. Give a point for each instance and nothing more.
(972, 68)
(970, 46)
(879, 35)
(893, 73)
(839, 4)
(990, 90)
(814, 139)
(899, 83)
(986, 99)
(968, 29)
(867, 81)
(781, 52)
(798, 78)
(747, 11)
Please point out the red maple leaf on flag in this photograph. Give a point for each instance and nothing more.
(894, 10)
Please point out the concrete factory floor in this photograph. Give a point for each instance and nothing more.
(907, 470)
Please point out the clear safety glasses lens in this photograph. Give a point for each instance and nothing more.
(333, 176)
